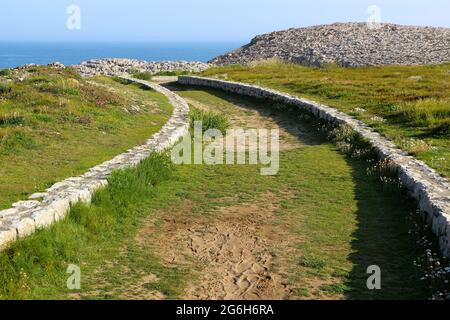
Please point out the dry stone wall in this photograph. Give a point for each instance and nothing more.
(425, 185)
(44, 209)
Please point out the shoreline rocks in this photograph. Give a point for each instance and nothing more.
(347, 45)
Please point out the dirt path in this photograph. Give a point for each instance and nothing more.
(237, 251)
(226, 232)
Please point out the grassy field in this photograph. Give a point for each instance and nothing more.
(54, 124)
(410, 105)
(323, 220)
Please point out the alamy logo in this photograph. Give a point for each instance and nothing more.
(74, 280)
(374, 281)
(374, 20)
(74, 19)
(258, 146)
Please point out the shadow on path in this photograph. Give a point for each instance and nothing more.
(381, 236)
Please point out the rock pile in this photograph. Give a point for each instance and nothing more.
(112, 67)
(348, 45)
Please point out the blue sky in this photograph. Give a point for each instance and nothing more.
(198, 20)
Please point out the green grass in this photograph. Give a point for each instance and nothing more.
(148, 75)
(54, 125)
(209, 120)
(345, 221)
(172, 73)
(410, 105)
(5, 72)
(143, 75)
(31, 267)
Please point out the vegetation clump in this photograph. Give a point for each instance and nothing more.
(210, 120)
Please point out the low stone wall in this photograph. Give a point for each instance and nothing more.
(425, 185)
(44, 209)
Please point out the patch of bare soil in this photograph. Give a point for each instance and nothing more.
(235, 254)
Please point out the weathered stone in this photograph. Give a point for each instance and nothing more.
(9, 212)
(6, 237)
(26, 204)
(25, 227)
(38, 195)
(60, 208)
(44, 217)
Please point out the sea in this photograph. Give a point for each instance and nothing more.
(13, 54)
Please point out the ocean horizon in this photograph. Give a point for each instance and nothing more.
(13, 54)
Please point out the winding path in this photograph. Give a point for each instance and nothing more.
(25, 217)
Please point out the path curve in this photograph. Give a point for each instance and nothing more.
(424, 184)
(44, 209)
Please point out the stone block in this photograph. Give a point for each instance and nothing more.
(7, 237)
(43, 218)
(25, 227)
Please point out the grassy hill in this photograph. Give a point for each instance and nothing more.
(54, 124)
(410, 105)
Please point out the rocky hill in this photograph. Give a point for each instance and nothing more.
(348, 44)
(116, 66)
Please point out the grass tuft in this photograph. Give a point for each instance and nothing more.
(210, 120)
(5, 72)
(143, 76)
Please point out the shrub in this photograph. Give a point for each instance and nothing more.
(143, 76)
(4, 88)
(129, 185)
(5, 72)
(350, 142)
(173, 73)
(210, 120)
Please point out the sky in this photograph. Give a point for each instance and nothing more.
(197, 20)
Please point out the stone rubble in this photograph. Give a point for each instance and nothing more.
(117, 66)
(425, 185)
(348, 45)
(43, 209)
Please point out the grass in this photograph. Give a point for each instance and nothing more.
(344, 220)
(54, 125)
(209, 120)
(143, 75)
(31, 267)
(5, 72)
(148, 75)
(172, 73)
(409, 104)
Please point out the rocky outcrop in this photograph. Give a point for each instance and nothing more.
(426, 186)
(114, 67)
(44, 209)
(348, 45)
